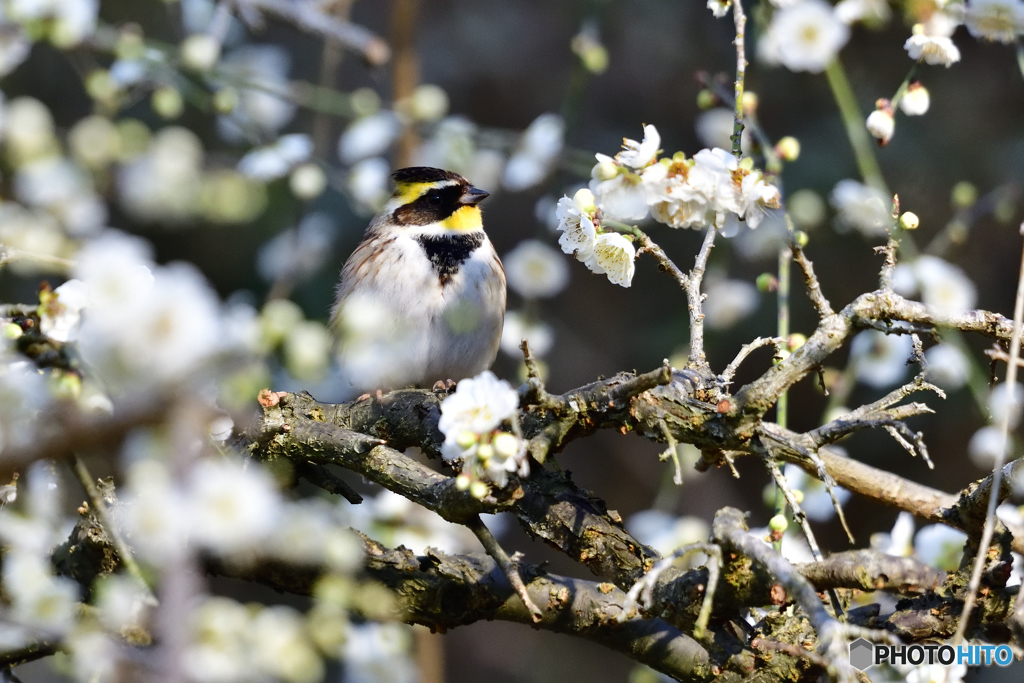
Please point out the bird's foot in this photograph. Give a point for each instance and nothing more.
(438, 387)
(362, 397)
(449, 384)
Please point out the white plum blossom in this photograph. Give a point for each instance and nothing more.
(370, 136)
(900, 541)
(535, 270)
(715, 127)
(996, 20)
(880, 360)
(805, 36)
(719, 7)
(638, 155)
(916, 101)
(116, 270)
(519, 326)
(665, 532)
(613, 256)
(300, 252)
(944, 286)
(881, 124)
(694, 192)
(947, 366)
(61, 315)
(379, 653)
(276, 160)
(150, 514)
(1004, 404)
(870, 11)
(470, 419)
(576, 224)
(479, 405)
(265, 105)
(860, 207)
(368, 183)
(395, 520)
(937, 673)
(931, 49)
(939, 546)
(536, 154)
(616, 186)
(231, 507)
(985, 444)
(728, 302)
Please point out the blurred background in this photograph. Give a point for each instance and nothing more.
(466, 78)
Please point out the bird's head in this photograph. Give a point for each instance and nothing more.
(433, 197)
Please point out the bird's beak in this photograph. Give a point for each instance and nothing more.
(473, 196)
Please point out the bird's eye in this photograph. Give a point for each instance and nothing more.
(434, 199)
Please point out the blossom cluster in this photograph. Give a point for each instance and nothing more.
(711, 188)
(471, 421)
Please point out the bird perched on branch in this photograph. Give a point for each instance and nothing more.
(422, 298)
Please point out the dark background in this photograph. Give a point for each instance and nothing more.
(504, 62)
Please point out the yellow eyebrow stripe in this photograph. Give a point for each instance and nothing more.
(409, 192)
(465, 218)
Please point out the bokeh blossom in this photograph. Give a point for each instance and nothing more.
(804, 36)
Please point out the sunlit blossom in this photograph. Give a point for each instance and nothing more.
(880, 360)
(805, 36)
(535, 270)
(613, 256)
(996, 20)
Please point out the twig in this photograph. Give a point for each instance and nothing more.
(729, 529)
(304, 15)
(642, 591)
(790, 649)
(694, 298)
(99, 506)
(730, 370)
(740, 20)
(814, 293)
(509, 566)
(319, 475)
(997, 469)
(664, 262)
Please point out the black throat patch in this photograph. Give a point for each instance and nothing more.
(448, 252)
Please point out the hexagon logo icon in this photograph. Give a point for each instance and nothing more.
(861, 654)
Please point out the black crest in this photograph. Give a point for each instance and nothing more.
(424, 174)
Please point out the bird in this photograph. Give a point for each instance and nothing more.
(421, 300)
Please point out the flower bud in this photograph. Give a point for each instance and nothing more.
(462, 482)
(778, 524)
(12, 331)
(964, 195)
(750, 102)
(788, 148)
(916, 100)
(605, 170)
(796, 340)
(881, 125)
(706, 100)
(798, 495)
(801, 238)
(100, 85)
(767, 282)
(584, 201)
(200, 52)
(225, 100)
(167, 102)
(466, 439)
(485, 451)
(909, 221)
(747, 164)
(506, 445)
(307, 181)
(478, 490)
